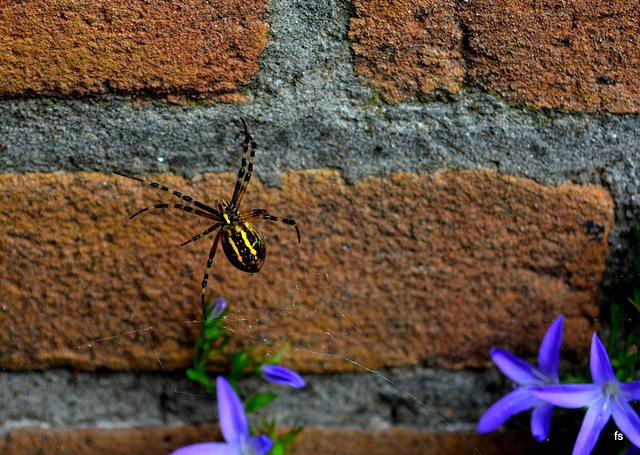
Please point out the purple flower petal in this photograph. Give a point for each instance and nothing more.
(217, 307)
(207, 448)
(260, 444)
(601, 370)
(631, 390)
(515, 368)
(234, 426)
(282, 375)
(509, 405)
(627, 420)
(567, 395)
(549, 353)
(540, 421)
(233, 421)
(594, 421)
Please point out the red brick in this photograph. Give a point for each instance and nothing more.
(580, 55)
(408, 47)
(404, 270)
(185, 48)
(155, 441)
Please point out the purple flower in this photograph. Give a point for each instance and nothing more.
(216, 307)
(282, 375)
(235, 429)
(526, 376)
(605, 398)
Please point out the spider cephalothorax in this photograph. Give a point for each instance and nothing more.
(241, 241)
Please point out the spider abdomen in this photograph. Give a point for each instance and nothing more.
(244, 246)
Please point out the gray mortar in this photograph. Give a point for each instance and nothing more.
(60, 399)
(307, 110)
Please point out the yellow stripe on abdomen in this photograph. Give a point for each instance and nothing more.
(247, 243)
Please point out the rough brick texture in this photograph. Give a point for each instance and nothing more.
(409, 269)
(580, 55)
(408, 48)
(186, 47)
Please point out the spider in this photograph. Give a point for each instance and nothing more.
(241, 241)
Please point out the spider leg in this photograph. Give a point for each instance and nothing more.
(186, 208)
(212, 254)
(184, 197)
(199, 236)
(244, 174)
(252, 215)
(262, 214)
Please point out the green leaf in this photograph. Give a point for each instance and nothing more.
(213, 333)
(258, 401)
(241, 360)
(239, 365)
(278, 448)
(292, 435)
(268, 427)
(283, 441)
(194, 375)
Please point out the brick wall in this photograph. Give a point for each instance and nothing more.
(443, 161)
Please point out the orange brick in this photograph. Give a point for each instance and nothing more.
(581, 55)
(408, 269)
(336, 441)
(185, 48)
(407, 48)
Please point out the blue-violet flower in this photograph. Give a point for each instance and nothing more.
(605, 398)
(526, 376)
(234, 426)
(216, 307)
(282, 375)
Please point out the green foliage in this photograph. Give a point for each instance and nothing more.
(258, 401)
(281, 442)
(213, 344)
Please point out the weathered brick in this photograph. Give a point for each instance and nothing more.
(408, 269)
(408, 47)
(580, 55)
(185, 48)
(153, 441)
